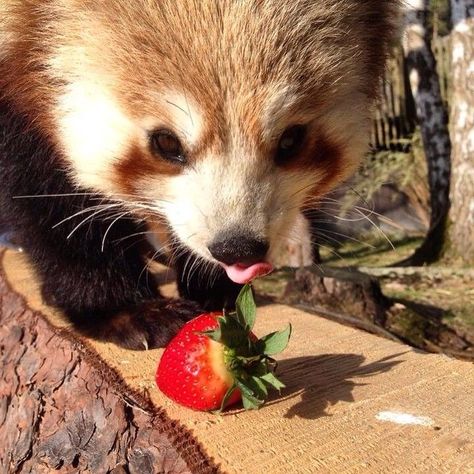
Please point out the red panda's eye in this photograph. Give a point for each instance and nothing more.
(165, 144)
(290, 143)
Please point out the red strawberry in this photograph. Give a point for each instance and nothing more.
(215, 360)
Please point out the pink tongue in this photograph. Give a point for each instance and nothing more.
(242, 274)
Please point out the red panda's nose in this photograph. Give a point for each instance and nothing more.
(237, 248)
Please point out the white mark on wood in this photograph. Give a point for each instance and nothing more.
(463, 111)
(469, 148)
(404, 418)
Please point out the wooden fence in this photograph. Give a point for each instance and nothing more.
(395, 115)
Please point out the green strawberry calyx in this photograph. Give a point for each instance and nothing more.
(247, 358)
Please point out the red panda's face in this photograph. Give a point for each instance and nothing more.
(225, 120)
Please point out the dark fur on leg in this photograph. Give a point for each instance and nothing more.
(107, 292)
(146, 326)
(213, 290)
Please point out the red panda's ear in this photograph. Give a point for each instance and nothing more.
(382, 18)
(379, 23)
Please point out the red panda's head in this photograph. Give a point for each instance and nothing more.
(224, 117)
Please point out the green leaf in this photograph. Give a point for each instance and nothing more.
(232, 333)
(247, 360)
(251, 403)
(270, 379)
(258, 387)
(260, 369)
(249, 398)
(227, 395)
(246, 390)
(214, 334)
(246, 308)
(275, 342)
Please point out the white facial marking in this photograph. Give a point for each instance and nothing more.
(237, 190)
(95, 133)
(183, 117)
(243, 193)
(278, 104)
(414, 80)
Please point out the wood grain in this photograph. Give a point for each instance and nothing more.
(61, 405)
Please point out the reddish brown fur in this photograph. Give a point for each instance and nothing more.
(230, 58)
(96, 77)
(138, 165)
(345, 33)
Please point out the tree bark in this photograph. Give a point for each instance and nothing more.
(343, 290)
(433, 120)
(63, 409)
(460, 244)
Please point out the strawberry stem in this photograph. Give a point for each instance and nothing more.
(247, 359)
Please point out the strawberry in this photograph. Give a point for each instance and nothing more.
(216, 360)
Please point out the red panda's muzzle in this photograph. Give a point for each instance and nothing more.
(243, 256)
(242, 274)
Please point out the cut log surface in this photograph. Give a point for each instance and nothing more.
(353, 402)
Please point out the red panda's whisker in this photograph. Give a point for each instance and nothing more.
(385, 236)
(136, 234)
(89, 218)
(327, 200)
(319, 244)
(360, 218)
(327, 238)
(177, 249)
(110, 227)
(188, 260)
(215, 273)
(340, 234)
(348, 237)
(32, 196)
(146, 266)
(174, 253)
(194, 267)
(301, 190)
(83, 211)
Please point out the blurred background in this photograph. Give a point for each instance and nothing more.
(406, 220)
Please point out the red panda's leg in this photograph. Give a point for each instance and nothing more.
(107, 294)
(145, 326)
(93, 271)
(210, 287)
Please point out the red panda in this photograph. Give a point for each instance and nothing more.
(216, 120)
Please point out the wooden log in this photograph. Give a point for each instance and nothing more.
(62, 408)
(349, 291)
(353, 402)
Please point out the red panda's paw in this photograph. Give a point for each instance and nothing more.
(148, 326)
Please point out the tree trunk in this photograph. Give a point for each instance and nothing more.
(62, 409)
(461, 227)
(337, 289)
(433, 120)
